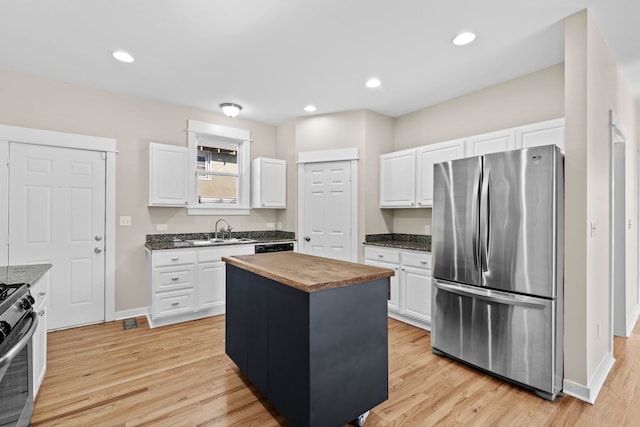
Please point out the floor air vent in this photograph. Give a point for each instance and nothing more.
(129, 324)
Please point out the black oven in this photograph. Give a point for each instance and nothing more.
(18, 323)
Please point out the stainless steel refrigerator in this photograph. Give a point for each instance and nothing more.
(497, 293)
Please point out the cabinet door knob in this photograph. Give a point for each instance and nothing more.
(380, 256)
(307, 239)
(175, 259)
(97, 250)
(41, 313)
(175, 279)
(175, 304)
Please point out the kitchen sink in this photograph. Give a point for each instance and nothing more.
(203, 242)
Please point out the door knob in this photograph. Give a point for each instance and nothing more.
(97, 250)
(307, 239)
(98, 238)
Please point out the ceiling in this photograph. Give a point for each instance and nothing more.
(274, 57)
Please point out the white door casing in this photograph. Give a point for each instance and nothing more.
(57, 216)
(86, 143)
(327, 204)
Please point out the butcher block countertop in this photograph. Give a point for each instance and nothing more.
(306, 272)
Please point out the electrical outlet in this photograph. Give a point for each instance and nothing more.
(161, 227)
(271, 225)
(125, 221)
(279, 226)
(427, 230)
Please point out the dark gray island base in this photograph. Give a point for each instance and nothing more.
(319, 355)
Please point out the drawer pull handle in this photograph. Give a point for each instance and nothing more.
(175, 259)
(175, 304)
(41, 313)
(41, 294)
(380, 256)
(175, 279)
(423, 262)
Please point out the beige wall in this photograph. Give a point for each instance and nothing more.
(594, 87)
(369, 133)
(528, 99)
(286, 137)
(45, 104)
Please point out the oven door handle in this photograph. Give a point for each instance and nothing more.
(13, 352)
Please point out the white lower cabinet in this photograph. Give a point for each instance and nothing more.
(188, 284)
(40, 292)
(410, 290)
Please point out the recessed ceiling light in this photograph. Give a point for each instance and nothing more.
(122, 56)
(372, 83)
(463, 38)
(310, 108)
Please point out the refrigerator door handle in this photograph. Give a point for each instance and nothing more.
(491, 295)
(485, 215)
(475, 207)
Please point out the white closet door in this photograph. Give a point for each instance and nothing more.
(57, 216)
(327, 210)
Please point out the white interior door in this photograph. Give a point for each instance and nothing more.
(57, 216)
(327, 210)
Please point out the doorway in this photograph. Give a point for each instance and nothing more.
(327, 204)
(618, 229)
(60, 208)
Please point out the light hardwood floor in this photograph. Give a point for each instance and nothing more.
(179, 375)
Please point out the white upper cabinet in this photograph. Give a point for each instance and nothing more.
(426, 157)
(543, 133)
(268, 183)
(492, 142)
(168, 175)
(398, 179)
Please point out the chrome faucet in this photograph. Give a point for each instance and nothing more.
(228, 230)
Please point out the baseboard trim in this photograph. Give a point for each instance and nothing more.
(590, 392)
(413, 322)
(631, 322)
(136, 312)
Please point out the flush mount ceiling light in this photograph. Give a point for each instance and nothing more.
(463, 38)
(122, 56)
(310, 108)
(373, 83)
(230, 109)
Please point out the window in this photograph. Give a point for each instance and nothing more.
(220, 164)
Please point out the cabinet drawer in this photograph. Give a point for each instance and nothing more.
(216, 254)
(417, 259)
(172, 303)
(40, 290)
(164, 258)
(379, 254)
(173, 278)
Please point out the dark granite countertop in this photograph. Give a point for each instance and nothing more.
(178, 241)
(29, 274)
(415, 242)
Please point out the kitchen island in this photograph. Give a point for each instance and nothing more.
(310, 333)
